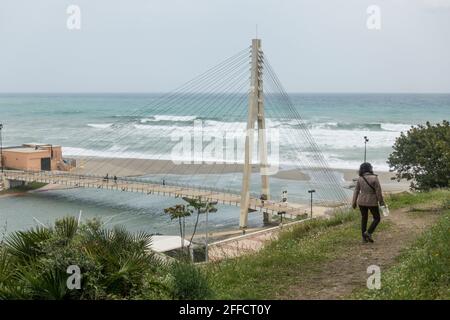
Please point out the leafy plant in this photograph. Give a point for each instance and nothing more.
(423, 156)
(114, 264)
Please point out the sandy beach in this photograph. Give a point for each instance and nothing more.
(389, 185)
(140, 167)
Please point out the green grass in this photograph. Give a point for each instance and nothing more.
(299, 252)
(268, 272)
(28, 187)
(440, 197)
(423, 271)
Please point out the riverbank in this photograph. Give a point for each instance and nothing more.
(32, 186)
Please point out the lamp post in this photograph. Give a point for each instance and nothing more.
(1, 145)
(206, 236)
(280, 213)
(311, 192)
(284, 196)
(365, 147)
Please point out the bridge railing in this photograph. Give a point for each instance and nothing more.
(53, 175)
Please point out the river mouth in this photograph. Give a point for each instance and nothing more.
(137, 212)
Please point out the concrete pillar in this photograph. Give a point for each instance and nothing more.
(6, 184)
(255, 113)
(262, 145)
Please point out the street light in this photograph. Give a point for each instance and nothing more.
(284, 196)
(1, 145)
(208, 203)
(206, 236)
(311, 192)
(280, 213)
(365, 148)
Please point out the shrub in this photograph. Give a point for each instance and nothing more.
(423, 156)
(114, 264)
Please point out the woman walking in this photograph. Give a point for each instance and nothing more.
(368, 196)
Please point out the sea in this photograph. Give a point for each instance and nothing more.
(139, 126)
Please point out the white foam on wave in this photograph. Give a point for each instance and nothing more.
(100, 125)
(345, 139)
(173, 118)
(295, 158)
(121, 154)
(114, 152)
(325, 137)
(162, 130)
(337, 141)
(396, 127)
(223, 125)
(334, 161)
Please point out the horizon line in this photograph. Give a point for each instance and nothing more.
(165, 92)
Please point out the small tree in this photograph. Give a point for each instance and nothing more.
(200, 207)
(423, 156)
(179, 212)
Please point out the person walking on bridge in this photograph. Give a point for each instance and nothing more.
(368, 196)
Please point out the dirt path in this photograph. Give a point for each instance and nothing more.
(339, 278)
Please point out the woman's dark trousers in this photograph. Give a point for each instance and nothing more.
(365, 215)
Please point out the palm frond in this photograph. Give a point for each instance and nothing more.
(66, 227)
(26, 245)
(47, 284)
(6, 267)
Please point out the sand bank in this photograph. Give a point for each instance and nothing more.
(140, 167)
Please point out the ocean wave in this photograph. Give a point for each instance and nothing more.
(305, 160)
(329, 136)
(169, 118)
(325, 138)
(347, 139)
(335, 161)
(276, 123)
(349, 126)
(110, 153)
(124, 154)
(396, 127)
(100, 125)
(162, 120)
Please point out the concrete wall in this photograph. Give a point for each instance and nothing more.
(14, 183)
(24, 161)
(20, 160)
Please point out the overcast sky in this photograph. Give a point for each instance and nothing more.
(156, 45)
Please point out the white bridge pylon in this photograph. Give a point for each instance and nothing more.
(255, 115)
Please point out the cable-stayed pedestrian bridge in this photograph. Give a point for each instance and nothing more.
(147, 187)
(248, 122)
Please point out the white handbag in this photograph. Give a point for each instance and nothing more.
(385, 210)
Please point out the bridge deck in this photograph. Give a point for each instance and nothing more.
(129, 185)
